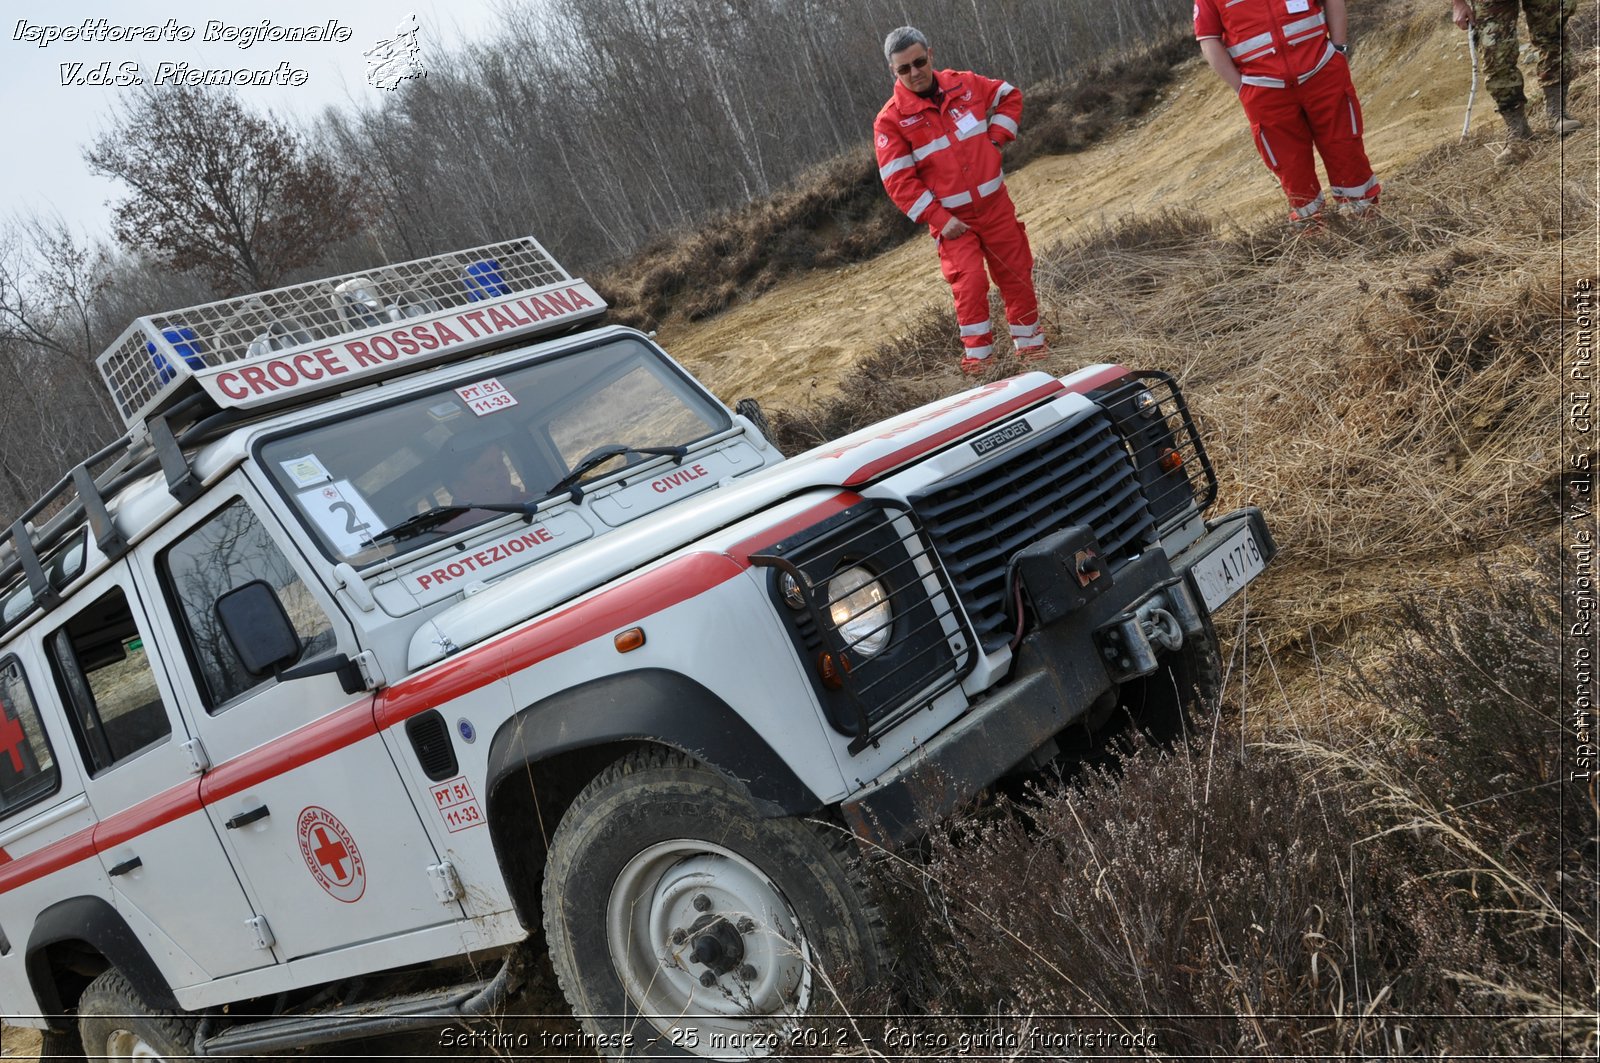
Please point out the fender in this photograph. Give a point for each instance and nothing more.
(656, 705)
(93, 921)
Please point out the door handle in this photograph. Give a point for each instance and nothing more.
(244, 819)
(125, 867)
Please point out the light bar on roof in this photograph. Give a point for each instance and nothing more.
(280, 346)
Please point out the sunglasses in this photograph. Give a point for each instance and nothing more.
(916, 64)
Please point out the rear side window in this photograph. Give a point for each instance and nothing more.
(27, 767)
(109, 686)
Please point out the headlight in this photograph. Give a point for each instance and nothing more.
(859, 608)
(792, 594)
(1147, 404)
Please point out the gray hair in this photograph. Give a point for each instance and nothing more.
(901, 39)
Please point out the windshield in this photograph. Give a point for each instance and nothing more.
(509, 436)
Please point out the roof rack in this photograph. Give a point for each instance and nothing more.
(281, 346)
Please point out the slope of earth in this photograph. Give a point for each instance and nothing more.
(1192, 150)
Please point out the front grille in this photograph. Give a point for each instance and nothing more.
(1077, 472)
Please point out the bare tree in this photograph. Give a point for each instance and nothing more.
(239, 198)
(52, 407)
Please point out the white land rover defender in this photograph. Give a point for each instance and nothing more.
(390, 645)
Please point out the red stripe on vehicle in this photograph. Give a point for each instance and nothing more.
(741, 550)
(1109, 375)
(873, 469)
(52, 858)
(147, 815)
(607, 611)
(333, 732)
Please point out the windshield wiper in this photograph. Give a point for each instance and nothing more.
(600, 456)
(430, 519)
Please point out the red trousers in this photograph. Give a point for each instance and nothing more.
(996, 238)
(1323, 112)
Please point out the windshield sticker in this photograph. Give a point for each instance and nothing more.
(342, 515)
(486, 397)
(306, 471)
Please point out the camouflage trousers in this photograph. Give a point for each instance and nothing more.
(1497, 44)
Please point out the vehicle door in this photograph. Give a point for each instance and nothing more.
(301, 787)
(171, 879)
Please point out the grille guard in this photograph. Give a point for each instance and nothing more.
(933, 647)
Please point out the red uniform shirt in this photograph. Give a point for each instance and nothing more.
(1272, 42)
(935, 158)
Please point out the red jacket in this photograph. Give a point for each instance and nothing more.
(937, 158)
(1271, 41)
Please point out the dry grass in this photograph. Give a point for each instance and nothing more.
(1424, 889)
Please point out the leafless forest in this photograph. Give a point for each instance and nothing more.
(596, 125)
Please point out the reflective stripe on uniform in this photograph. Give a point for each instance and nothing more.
(981, 125)
(989, 188)
(981, 328)
(1027, 343)
(904, 162)
(978, 352)
(1026, 330)
(960, 199)
(1005, 89)
(922, 204)
(1273, 159)
(1302, 213)
(929, 148)
(1260, 40)
(1358, 191)
(1299, 26)
(1261, 82)
(1004, 123)
(1327, 53)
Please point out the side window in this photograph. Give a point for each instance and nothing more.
(107, 683)
(27, 768)
(227, 551)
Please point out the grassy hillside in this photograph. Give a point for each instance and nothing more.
(1370, 849)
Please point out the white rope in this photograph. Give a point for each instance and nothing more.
(1472, 49)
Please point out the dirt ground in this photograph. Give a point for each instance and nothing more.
(1192, 150)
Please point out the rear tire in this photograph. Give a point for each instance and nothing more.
(678, 918)
(115, 1024)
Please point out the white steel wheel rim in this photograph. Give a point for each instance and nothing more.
(746, 1010)
(125, 1044)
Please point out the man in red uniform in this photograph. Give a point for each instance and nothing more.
(938, 141)
(1286, 60)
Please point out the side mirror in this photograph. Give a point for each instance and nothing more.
(259, 629)
(254, 620)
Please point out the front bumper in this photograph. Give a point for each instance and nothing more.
(1061, 670)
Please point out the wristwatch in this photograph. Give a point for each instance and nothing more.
(1342, 49)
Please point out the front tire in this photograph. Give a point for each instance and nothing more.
(679, 918)
(115, 1024)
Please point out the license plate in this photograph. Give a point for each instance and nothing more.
(1224, 571)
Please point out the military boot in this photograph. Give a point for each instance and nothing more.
(1555, 106)
(1518, 135)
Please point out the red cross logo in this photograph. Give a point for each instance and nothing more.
(331, 854)
(11, 739)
